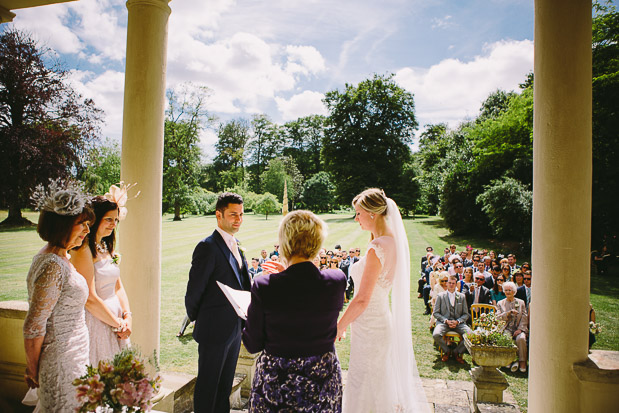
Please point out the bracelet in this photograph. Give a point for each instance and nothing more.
(127, 313)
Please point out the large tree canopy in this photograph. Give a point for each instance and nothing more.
(46, 128)
(368, 134)
(185, 117)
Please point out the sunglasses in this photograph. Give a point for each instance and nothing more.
(458, 266)
(500, 281)
(443, 281)
(527, 278)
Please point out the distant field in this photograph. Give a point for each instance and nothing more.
(179, 238)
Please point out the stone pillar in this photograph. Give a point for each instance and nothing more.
(561, 203)
(142, 163)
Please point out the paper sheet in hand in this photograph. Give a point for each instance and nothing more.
(239, 299)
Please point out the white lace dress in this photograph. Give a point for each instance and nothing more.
(369, 385)
(57, 294)
(104, 343)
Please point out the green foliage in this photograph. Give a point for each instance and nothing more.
(318, 192)
(280, 170)
(605, 54)
(368, 133)
(102, 168)
(185, 117)
(229, 162)
(490, 332)
(304, 138)
(509, 206)
(200, 202)
(267, 203)
(265, 144)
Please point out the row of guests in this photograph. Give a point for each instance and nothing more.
(60, 337)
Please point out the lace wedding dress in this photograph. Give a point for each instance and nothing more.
(57, 294)
(382, 373)
(104, 343)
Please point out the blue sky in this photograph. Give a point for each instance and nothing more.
(279, 57)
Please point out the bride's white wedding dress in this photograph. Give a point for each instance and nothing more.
(104, 343)
(382, 373)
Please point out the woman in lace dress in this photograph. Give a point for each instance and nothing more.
(382, 374)
(55, 334)
(108, 314)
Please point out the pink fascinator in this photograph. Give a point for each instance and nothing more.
(118, 194)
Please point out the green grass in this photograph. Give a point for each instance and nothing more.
(17, 246)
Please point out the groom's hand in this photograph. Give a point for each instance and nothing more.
(341, 333)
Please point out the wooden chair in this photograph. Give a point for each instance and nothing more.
(450, 337)
(477, 310)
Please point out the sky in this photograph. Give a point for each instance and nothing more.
(280, 57)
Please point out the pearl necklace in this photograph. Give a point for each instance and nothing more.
(101, 247)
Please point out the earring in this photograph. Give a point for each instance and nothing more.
(372, 216)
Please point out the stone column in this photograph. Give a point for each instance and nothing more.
(142, 163)
(561, 203)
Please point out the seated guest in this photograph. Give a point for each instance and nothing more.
(524, 292)
(465, 261)
(525, 267)
(478, 293)
(481, 269)
(518, 278)
(451, 314)
(333, 264)
(425, 277)
(255, 268)
(432, 276)
(506, 272)
(263, 257)
(292, 319)
(497, 292)
(601, 260)
(424, 259)
(513, 310)
(439, 287)
(467, 279)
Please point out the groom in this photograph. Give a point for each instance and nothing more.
(218, 329)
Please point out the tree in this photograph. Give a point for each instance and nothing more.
(317, 192)
(186, 116)
(368, 134)
(102, 168)
(267, 203)
(265, 144)
(46, 128)
(495, 104)
(229, 162)
(605, 53)
(280, 170)
(304, 138)
(509, 207)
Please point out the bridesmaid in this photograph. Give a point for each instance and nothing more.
(108, 317)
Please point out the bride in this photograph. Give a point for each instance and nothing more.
(382, 374)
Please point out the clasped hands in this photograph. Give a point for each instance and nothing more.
(452, 323)
(124, 330)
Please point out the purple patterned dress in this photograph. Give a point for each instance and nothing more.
(303, 384)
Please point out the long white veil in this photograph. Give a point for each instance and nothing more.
(410, 391)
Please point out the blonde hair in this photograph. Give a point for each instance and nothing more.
(372, 200)
(301, 233)
(443, 275)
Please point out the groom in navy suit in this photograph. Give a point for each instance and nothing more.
(218, 328)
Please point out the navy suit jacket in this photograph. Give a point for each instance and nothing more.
(484, 296)
(521, 293)
(294, 313)
(215, 317)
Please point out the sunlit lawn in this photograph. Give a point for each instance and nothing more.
(179, 238)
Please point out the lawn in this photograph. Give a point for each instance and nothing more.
(17, 247)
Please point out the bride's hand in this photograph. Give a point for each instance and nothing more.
(341, 333)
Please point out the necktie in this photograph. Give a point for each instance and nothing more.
(476, 301)
(528, 294)
(234, 248)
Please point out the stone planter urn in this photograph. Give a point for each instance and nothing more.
(488, 380)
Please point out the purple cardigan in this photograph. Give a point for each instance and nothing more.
(294, 313)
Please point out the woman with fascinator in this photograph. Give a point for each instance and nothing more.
(382, 374)
(55, 333)
(108, 314)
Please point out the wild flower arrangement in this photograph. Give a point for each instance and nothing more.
(595, 328)
(490, 332)
(122, 385)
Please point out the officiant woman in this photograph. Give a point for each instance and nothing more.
(292, 319)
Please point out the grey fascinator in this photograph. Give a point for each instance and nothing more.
(61, 197)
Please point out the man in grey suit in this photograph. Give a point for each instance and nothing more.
(451, 312)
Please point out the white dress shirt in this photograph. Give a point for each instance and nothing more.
(232, 244)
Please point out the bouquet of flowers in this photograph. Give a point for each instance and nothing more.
(120, 385)
(594, 328)
(490, 332)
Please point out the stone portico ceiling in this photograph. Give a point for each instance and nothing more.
(7, 5)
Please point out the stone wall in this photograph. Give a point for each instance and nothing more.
(12, 354)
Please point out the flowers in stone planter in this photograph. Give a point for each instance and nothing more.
(120, 385)
(490, 332)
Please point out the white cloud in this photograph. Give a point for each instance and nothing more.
(442, 23)
(303, 104)
(452, 90)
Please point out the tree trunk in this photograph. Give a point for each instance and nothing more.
(177, 211)
(15, 218)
